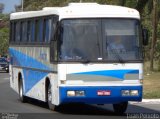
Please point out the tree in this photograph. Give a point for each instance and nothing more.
(154, 34)
(4, 34)
(151, 14)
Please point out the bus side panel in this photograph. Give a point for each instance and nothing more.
(34, 82)
(14, 78)
(36, 67)
(11, 77)
(55, 89)
(35, 85)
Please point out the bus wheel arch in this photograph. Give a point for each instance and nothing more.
(48, 92)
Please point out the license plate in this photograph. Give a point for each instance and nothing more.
(103, 92)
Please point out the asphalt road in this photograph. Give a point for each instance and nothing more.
(11, 107)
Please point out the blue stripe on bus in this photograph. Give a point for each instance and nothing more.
(23, 60)
(31, 77)
(111, 73)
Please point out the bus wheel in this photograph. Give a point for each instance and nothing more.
(120, 108)
(21, 95)
(49, 98)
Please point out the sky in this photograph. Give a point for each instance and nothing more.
(9, 5)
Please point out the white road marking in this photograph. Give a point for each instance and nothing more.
(147, 101)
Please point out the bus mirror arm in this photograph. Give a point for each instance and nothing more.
(145, 37)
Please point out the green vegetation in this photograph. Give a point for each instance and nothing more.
(151, 85)
(4, 34)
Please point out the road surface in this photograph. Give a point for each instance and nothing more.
(10, 106)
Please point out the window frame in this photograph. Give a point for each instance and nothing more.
(31, 21)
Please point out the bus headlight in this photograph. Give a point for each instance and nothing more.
(80, 93)
(75, 93)
(71, 93)
(134, 92)
(130, 92)
(125, 92)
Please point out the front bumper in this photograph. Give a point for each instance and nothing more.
(91, 96)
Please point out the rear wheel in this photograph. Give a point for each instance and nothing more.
(49, 98)
(120, 108)
(7, 69)
(21, 92)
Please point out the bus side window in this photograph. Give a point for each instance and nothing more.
(29, 31)
(17, 32)
(54, 22)
(12, 32)
(48, 29)
(20, 31)
(24, 32)
(44, 29)
(32, 31)
(38, 30)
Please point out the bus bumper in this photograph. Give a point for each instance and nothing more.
(91, 95)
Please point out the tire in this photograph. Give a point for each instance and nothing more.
(120, 108)
(7, 71)
(49, 98)
(21, 91)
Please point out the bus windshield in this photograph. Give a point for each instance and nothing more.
(94, 40)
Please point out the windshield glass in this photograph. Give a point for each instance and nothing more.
(100, 40)
(80, 40)
(121, 39)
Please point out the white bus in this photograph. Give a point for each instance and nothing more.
(80, 53)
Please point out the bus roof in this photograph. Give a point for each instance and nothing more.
(81, 10)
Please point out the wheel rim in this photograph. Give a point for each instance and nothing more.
(49, 94)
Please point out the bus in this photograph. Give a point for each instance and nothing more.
(81, 53)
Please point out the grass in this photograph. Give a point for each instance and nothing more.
(151, 85)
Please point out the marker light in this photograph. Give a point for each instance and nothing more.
(63, 81)
(129, 92)
(75, 93)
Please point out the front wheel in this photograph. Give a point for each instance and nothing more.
(49, 98)
(120, 108)
(21, 95)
